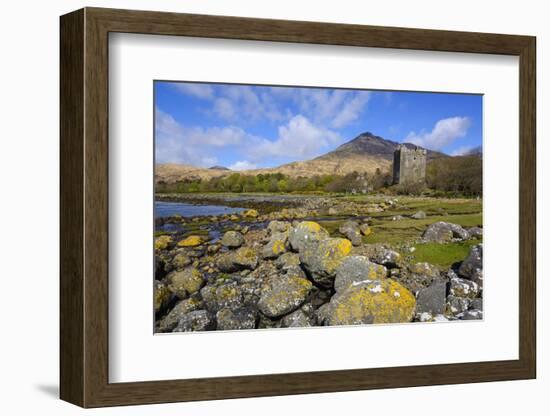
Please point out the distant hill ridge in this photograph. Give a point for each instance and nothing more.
(368, 143)
(365, 153)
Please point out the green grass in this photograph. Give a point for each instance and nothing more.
(443, 255)
(391, 232)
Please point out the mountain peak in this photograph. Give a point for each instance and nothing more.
(368, 143)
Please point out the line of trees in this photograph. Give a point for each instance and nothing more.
(460, 175)
(457, 176)
(276, 182)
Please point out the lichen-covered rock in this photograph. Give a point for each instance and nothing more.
(456, 305)
(365, 229)
(225, 263)
(432, 299)
(242, 258)
(275, 247)
(472, 267)
(245, 258)
(191, 241)
(355, 269)
(377, 253)
(199, 320)
(232, 319)
(442, 232)
(183, 307)
(300, 318)
(227, 296)
(232, 239)
(420, 215)
(185, 282)
(162, 242)
(323, 258)
(371, 302)
(161, 295)
(305, 233)
(285, 295)
(251, 213)
(464, 288)
(278, 226)
(181, 261)
(425, 269)
(287, 260)
(350, 229)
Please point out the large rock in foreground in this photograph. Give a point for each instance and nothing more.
(357, 269)
(442, 232)
(370, 302)
(323, 258)
(285, 295)
(305, 233)
(432, 299)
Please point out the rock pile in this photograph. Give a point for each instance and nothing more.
(294, 274)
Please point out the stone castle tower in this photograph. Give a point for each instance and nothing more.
(409, 165)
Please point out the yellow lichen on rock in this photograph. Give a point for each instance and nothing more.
(162, 242)
(333, 251)
(186, 282)
(365, 230)
(278, 247)
(251, 213)
(191, 241)
(160, 296)
(286, 294)
(245, 257)
(310, 225)
(378, 301)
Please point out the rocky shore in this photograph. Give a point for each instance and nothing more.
(282, 268)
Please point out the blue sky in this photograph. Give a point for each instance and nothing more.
(246, 127)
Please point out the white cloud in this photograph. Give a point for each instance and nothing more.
(204, 91)
(225, 109)
(243, 165)
(351, 110)
(298, 139)
(245, 104)
(335, 108)
(175, 143)
(444, 133)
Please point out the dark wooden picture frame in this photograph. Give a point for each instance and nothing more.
(84, 207)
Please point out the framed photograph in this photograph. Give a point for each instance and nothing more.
(255, 207)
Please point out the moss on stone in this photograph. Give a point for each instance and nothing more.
(376, 301)
(162, 242)
(191, 241)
